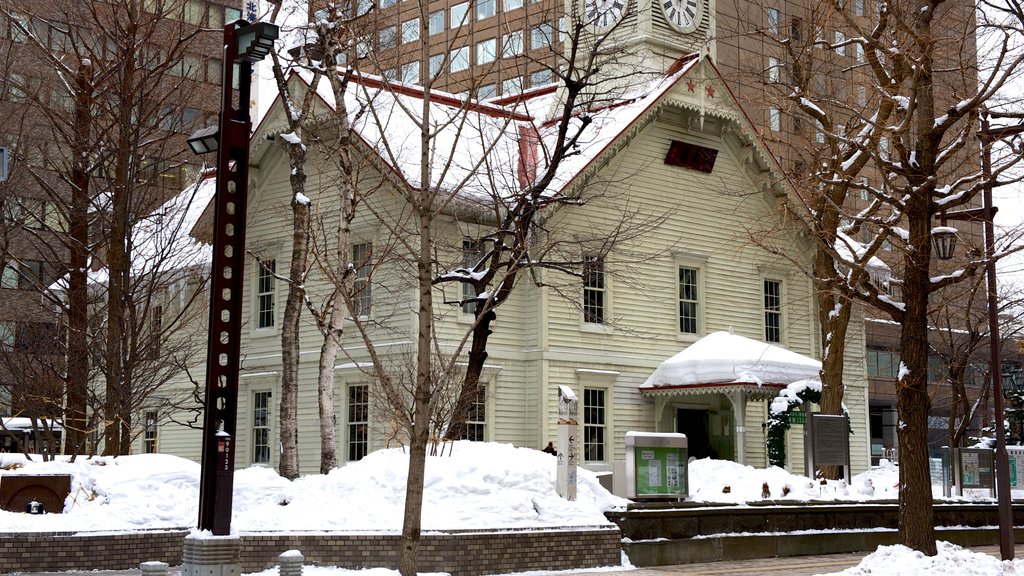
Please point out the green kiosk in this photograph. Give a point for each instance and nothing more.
(656, 465)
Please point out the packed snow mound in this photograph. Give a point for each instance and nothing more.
(951, 560)
(479, 485)
(726, 481)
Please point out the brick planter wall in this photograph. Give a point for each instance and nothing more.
(57, 551)
(461, 553)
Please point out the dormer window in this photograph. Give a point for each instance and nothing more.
(686, 155)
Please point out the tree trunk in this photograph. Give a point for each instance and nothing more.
(325, 386)
(78, 287)
(420, 429)
(916, 525)
(289, 466)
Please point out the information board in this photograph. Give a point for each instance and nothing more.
(656, 465)
(1016, 456)
(976, 468)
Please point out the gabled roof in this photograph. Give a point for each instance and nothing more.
(724, 358)
(487, 148)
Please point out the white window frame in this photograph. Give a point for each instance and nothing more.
(459, 60)
(436, 64)
(512, 85)
(773, 307)
(260, 454)
(410, 30)
(773, 20)
(512, 45)
(411, 72)
(509, 5)
(150, 434)
(362, 284)
(486, 9)
(486, 51)
(594, 287)
(435, 24)
(458, 15)
(688, 294)
(595, 450)
(473, 417)
(356, 447)
(775, 119)
(266, 295)
(541, 36)
(773, 69)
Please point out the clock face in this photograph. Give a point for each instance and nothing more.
(682, 14)
(604, 13)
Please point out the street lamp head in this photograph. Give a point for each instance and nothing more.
(204, 140)
(255, 41)
(944, 241)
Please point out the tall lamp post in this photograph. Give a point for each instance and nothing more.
(944, 242)
(244, 44)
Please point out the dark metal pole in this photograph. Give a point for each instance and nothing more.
(223, 346)
(1002, 459)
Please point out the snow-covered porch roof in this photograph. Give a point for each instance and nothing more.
(724, 363)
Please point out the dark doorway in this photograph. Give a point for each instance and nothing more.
(694, 423)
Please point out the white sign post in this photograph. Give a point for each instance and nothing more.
(568, 428)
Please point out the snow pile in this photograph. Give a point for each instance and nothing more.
(481, 485)
(951, 560)
(723, 481)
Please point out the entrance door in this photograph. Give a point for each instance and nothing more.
(709, 433)
(720, 434)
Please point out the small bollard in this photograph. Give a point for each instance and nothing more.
(290, 563)
(153, 568)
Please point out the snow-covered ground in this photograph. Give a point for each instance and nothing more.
(477, 485)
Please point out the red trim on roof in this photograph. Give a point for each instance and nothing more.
(524, 95)
(713, 385)
(439, 97)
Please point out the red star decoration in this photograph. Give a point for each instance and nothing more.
(690, 84)
(711, 91)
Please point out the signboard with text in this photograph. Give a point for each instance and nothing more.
(656, 465)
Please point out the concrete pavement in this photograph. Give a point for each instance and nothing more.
(791, 566)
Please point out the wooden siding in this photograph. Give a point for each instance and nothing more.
(539, 341)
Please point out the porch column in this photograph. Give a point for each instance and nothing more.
(739, 408)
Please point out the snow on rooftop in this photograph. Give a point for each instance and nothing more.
(723, 357)
(480, 148)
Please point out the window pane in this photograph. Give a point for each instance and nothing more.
(362, 296)
(688, 300)
(411, 30)
(486, 50)
(593, 290)
(358, 421)
(485, 9)
(261, 427)
(540, 36)
(772, 311)
(458, 14)
(512, 44)
(436, 23)
(594, 425)
(265, 295)
(460, 59)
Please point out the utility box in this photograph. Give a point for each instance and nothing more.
(50, 490)
(656, 466)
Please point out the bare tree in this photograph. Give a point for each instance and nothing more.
(119, 86)
(906, 143)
